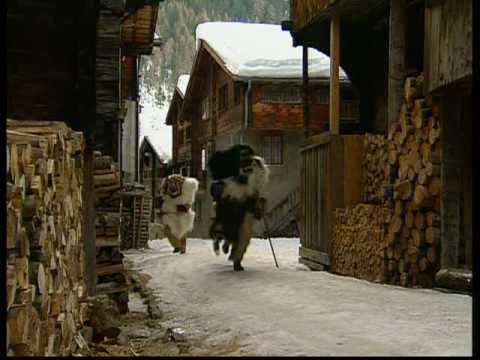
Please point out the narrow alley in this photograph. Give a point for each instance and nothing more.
(293, 311)
(240, 178)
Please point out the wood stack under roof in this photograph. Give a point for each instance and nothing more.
(46, 292)
(111, 276)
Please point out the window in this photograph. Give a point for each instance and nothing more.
(188, 133)
(349, 110)
(205, 108)
(322, 97)
(223, 98)
(237, 93)
(288, 94)
(273, 150)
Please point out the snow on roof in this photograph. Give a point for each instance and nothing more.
(162, 155)
(261, 50)
(182, 83)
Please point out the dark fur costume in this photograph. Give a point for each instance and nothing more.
(238, 177)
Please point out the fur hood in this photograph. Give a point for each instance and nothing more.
(257, 181)
(177, 190)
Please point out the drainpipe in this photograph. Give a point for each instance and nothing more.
(247, 106)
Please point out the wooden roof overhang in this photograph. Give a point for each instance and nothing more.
(306, 14)
(138, 28)
(364, 39)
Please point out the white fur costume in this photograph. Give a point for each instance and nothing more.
(179, 223)
(257, 181)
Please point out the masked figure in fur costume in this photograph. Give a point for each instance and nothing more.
(177, 197)
(239, 181)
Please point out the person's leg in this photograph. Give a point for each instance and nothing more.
(183, 245)
(240, 247)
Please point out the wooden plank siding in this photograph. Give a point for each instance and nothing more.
(107, 79)
(331, 178)
(448, 47)
(288, 116)
(43, 89)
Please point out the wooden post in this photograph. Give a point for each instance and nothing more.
(154, 180)
(306, 113)
(137, 106)
(396, 59)
(450, 120)
(334, 77)
(89, 220)
(86, 100)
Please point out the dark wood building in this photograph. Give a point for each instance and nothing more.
(265, 109)
(181, 130)
(64, 64)
(381, 45)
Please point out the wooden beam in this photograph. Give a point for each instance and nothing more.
(396, 59)
(89, 221)
(334, 74)
(450, 120)
(154, 183)
(306, 113)
(315, 255)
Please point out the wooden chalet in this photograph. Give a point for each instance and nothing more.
(222, 107)
(411, 62)
(153, 168)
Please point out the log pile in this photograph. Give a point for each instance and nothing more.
(46, 293)
(402, 174)
(111, 276)
(375, 161)
(358, 241)
(414, 234)
(106, 177)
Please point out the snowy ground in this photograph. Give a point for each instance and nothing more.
(292, 311)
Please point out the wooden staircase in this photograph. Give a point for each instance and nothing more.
(282, 218)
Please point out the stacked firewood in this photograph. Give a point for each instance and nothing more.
(401, 173)
(46, 292)
(358, 241)
(375, 160)
(414, 233)
(106, 176)
(111, 276)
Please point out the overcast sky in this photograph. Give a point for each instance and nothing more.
(152, 124)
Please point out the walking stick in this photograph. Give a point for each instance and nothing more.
(267, 232)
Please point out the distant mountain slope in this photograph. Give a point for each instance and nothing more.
(176, 23)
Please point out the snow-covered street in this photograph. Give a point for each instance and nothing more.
(294, 311)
